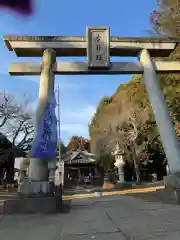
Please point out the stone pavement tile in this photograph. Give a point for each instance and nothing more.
(125, 206)
(86, 218)
(20, 227)
(87, 221)
(100, 219)
(82, 202)
(111, 198)
(163, 236)
(128, 204)
(144, 222)
(136, 217)
(127, 201)
(101, 236)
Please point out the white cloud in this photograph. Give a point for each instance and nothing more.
(79, 114)
(65, 85)
(77, 123)
(74, 119)
(74, 129)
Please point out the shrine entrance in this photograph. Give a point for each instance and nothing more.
(98, 46)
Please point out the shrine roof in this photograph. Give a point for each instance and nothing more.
(78, 157)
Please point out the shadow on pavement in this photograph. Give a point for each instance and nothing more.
(66, 206)
(162, 196)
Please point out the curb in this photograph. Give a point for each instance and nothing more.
(106, 193)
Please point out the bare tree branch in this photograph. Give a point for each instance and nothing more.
(17, 123)
(7, 108)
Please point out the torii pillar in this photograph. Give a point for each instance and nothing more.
(38, 169)
(38, 175)
(164, 122)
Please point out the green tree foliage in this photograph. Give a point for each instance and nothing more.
(165, 21)
(132, 95)
(104, 102)
(105, 160)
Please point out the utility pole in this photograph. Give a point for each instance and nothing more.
(58, 120)
(60, 163)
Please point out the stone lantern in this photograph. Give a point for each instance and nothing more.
(119, 162)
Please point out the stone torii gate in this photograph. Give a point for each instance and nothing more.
(98, 46)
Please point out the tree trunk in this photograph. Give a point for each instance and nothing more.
(136, 165)
(10, 168)
(1, 173)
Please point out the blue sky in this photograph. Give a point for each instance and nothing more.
(79, 94)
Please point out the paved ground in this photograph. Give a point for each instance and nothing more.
(162, 196)
(112, 217)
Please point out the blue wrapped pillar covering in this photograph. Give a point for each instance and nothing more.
(45, 139)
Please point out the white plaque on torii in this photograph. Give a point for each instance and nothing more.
(98, 47)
